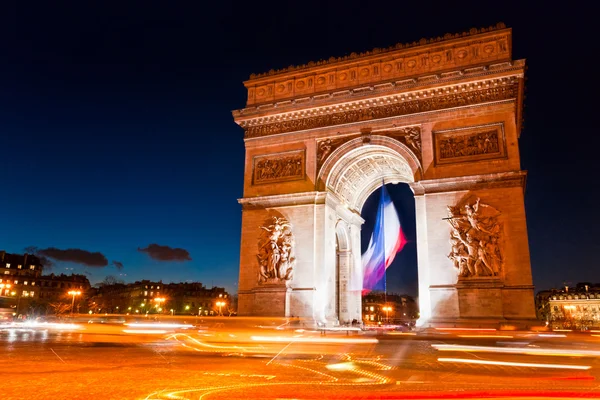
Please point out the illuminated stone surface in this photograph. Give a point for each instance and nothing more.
(443, 116)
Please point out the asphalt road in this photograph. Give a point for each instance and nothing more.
(222, 362)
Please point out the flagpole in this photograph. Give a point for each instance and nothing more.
(384, 255)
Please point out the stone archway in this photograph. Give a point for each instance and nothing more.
(321, 138)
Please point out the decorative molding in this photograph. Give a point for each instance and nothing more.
(473, 182)
(467, 144)
(282, 200)
(397, 105)
(399, 61)
(280, 167)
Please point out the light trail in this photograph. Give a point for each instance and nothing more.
(514, 364)
(517, 350)
(146, 331)
(274, 339)
(159, 325)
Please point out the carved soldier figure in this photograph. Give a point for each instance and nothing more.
(474, 239)
(472, 260)
(275, 252)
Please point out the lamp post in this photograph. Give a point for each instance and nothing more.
(387, 309)
(220, 304)
(73, 293)
(158, 301)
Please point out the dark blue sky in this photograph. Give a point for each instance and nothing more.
(116, 132)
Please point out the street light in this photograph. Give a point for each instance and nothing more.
(220, 304)
(73, 293)
(158, 301)
(387, 309)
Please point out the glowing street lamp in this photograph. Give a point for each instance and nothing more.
(220, 304)
(73, 293)
(387, 309)
(159, 301)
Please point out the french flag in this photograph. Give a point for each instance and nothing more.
(387, 240)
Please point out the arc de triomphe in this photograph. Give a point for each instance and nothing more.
(444, 116)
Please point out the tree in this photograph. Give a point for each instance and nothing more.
(60, 308)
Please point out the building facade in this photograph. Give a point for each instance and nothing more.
(389, 309)
(576, 308)
(148, 297)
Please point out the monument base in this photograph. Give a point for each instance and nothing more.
(270, 300)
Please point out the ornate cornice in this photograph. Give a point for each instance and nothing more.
(473, 182)
(384, 107)
(282, 200)
(377, 51)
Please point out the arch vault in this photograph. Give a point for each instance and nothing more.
(444, 117)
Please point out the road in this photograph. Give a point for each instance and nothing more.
(217, 360)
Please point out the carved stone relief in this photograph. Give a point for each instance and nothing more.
(410, 136)
(326, 146)
(276, 248)
(280, 167)
(438, 102)
(469, 144)
(475, 236)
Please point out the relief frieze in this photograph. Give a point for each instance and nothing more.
(288, 166)
(410, 136)
(326, 146)
(469, 144)
(437, 102)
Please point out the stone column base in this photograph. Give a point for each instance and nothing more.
(270, 300)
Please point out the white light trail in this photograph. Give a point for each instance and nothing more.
(518, 350)
(311, 340)
(515, 364)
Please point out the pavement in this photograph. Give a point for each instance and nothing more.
(217, 359)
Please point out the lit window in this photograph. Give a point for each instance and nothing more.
(7, 265)
(6, 272)
(158, 287)
(25, 283)
(19, 266)
(25, 293)
(145, 292)
(151, 293)
(32, 283)
(16, 282)
(221, 295)
(32, 267)
(151, 287)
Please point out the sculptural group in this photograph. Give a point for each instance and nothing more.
(474, 239)
(275, 252)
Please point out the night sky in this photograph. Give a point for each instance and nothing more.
(117, 139)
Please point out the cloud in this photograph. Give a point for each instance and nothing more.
(77, 256)
(166, 253)
(118, 264)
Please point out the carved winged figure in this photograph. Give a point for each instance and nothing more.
(474, 239)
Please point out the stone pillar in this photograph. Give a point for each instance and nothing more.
(447, 299)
